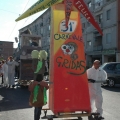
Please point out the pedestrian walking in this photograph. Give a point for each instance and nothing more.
(96, 98)
(11, 71)
(5, 73)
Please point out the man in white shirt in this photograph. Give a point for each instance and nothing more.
(11, 71)
(96, 74)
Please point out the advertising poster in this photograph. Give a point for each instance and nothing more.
(69, 91)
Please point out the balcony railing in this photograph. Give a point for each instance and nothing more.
(97, 48)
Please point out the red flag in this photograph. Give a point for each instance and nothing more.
(82, 7)
(68, 9)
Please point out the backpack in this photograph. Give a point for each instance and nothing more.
(38, 97)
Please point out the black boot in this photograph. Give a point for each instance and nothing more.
(8, 86)
(13, 86)
(100, 118)
(90, 118)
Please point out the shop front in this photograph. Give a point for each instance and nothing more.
(109, 55)
(92, 56)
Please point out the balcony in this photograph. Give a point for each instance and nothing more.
(96, 31)
(98, 6)
(98, 48)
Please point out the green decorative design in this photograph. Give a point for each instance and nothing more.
(34, 54)
(39, 66)
(45, 96)
(35, 93)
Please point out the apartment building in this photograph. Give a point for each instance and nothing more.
(105, 48)
(6, 49)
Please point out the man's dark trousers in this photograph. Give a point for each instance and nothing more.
(37, 113)
(2, 79)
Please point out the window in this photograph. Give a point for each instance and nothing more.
(107, 0)
(83, 25)
(36, 29)
(41, 31)
(41, 24)
(88, 24)
(1, 43)
(111, 67)
(117, 67)
(103, 65)
(48, 20)
(49, 27)
(108, 38)
(98, 3)
(44, 42)
(49, 35)
(99, 18)
(1, 49)
(88, 43)
(89, 4)
(48, 39)
(108, 14)
(44, 31)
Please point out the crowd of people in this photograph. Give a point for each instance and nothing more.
(7, 72)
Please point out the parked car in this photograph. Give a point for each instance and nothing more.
(113, 72)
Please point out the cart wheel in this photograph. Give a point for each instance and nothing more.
(23, 87)
(79, 118)
(91, 118)
(96, 118)
(50, 118)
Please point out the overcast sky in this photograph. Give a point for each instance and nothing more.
(9, 11)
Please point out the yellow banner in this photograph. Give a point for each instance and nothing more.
(37, 7)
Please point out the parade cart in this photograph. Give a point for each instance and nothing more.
(72, 115)
(78, 115)
(28, 43)
(69, 93)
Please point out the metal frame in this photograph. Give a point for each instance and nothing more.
(91, 116)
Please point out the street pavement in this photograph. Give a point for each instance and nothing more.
(14, 104)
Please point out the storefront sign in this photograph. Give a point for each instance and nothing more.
(108, 52)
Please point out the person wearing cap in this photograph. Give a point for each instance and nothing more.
(96, 74)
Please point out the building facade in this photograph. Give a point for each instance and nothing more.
(105, 48)
(6, 49)
(41, 27)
